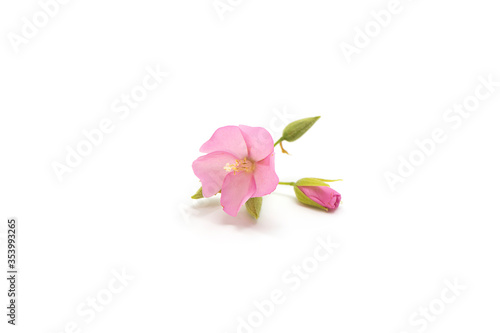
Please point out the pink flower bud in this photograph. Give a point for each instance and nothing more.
(324, 196)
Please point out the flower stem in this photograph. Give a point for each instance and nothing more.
(290, 184)
(278, 142)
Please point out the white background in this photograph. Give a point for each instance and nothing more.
(197, 269)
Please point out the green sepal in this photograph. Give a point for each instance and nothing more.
(305, 199)
(311, 182)
(198, 194)
(296, 129)
(253, 206)
(329, 180)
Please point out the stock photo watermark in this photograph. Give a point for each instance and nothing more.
(12, 269)
(89, 309)
(31, 26)
(281, 117)
(223, 7)
(453, 118)
(292, 279)
(378, 21)
(421, 319)
(122, 107)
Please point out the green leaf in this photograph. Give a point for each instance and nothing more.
(198, 194)
(305, 199)
(298, 128)
(253, 206)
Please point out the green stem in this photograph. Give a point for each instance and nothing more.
(283, 183)
(278, 142)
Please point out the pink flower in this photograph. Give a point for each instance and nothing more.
(239, 163)
(324, 196)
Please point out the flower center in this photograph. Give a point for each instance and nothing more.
(240, 165)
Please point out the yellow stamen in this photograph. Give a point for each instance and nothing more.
(240, 165)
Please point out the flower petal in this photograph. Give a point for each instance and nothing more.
(236, 190)
(210, 170)
(323, 195)
(266, 179)
(227, 139)
(259, 142)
